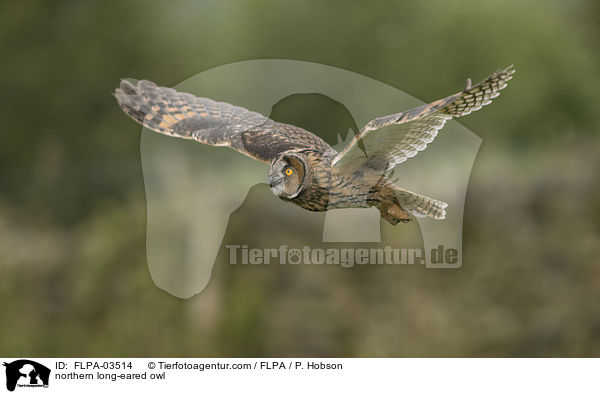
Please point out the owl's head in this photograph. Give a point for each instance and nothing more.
(288, 175)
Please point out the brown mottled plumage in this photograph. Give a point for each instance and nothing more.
(304, 169)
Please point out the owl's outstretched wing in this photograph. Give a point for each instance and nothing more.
(184, 115)
(393, 139)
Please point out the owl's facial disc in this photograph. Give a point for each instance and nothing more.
(286, 177)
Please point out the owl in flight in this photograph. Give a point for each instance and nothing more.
(304, 169)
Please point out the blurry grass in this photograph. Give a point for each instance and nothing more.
(528, 286)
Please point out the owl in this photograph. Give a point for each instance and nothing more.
(303, 168)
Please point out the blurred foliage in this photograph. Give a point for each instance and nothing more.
(72, 209)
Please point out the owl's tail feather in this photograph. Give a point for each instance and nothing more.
(420, 206)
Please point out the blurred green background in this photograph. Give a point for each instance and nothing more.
(73, 270)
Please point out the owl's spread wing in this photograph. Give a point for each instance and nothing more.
(184, 115)
(392, 139)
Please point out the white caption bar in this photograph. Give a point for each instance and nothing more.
(297, 375)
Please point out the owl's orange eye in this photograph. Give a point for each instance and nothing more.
(289, 171)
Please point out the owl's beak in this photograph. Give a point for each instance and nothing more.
(273, 181)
